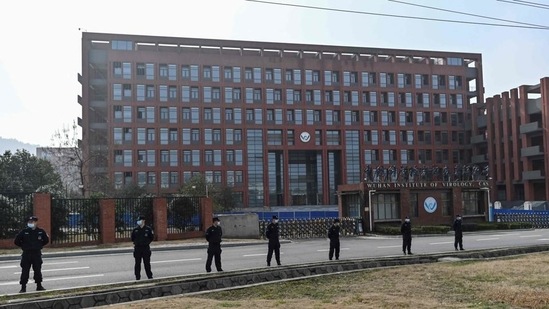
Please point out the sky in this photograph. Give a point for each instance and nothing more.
(40, 51)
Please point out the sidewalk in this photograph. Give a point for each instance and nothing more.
(127, 247)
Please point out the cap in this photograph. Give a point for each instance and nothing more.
(215, 219)
(141, 218)
(336, 220)
(32, 218)
(275, 217)
(458, 215)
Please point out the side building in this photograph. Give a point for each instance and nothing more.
(512, 136)
(282, 124)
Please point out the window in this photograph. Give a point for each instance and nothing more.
(386, 206)
(472, 202)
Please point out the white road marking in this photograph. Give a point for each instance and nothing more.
(383, 247)
(441, 243)
(543, 239)
(181, 260)
(485, 239)
(58, 269)
(11, 266)
(55, 279)
(326, 250)
(258, 254)
(61, 263)
(525, 236)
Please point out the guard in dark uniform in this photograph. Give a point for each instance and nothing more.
(406, 231)
(333, 235)
(213, 236)
(142, 236)
(458, 240)
(31, 239)
(272, 233)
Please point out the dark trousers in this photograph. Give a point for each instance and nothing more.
(334, 246)
(142, 253)
(273, 247)
(214, 252)
(29, 259)
(407, 243)
(458, 241)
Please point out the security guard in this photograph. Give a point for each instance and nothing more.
(272, 233)
(142, 236)
(406, 231)
(333, 235)
(213, 236)
(458, 229)
(31, 240)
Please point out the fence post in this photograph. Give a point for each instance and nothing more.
(42, 209)
(107, 227)
(206, 206)
(160, 217)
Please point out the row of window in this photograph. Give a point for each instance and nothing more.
(172, 179)
(280, 116)
(123, 92)
(167, 136)
(213, 73)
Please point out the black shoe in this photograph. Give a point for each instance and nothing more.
(461, 249)
(278, 263)
(337, 259)
(220, 269)
(268, 264)
(150, 277)
(456, 249)
(404, 252)
(23, 289)
(39, 287)
(330, 259)
(410, 253)
(208, 270)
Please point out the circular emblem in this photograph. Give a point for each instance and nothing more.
(430, 204)
(305, 137)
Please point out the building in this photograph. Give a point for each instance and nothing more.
(511, 136)
(282, 124)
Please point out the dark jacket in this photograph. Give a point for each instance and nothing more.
(272, 233)
(31, 240)
(406, 229)
(457, 227)
(213, 235)
(333, 233)
(142, 236)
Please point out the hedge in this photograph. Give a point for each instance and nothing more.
(444, 229)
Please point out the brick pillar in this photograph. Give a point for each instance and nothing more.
(206, 205)
(42, 209)
(160, 217)
(107, 227)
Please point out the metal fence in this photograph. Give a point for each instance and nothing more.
(183, 214)
(292, 215)
(74, 221)
(127, 211)
(14, 208)
(313, 228)
(538, 218)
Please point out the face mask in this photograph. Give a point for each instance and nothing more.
(275, 221)
(218, 223)
(139, 222)
(459, 218)
(406, 220)
(31, 225)
(336, 224)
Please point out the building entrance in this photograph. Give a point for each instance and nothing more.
(305, 177)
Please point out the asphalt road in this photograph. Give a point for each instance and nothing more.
(89, 269)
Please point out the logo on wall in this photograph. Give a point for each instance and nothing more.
(305, 137)
(430, 205)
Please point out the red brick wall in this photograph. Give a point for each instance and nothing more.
(107, 221)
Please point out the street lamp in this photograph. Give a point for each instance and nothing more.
(370, 192)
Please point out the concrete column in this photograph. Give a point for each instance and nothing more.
(107, 227)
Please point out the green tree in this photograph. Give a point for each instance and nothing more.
(23, 172)
(224, 199)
